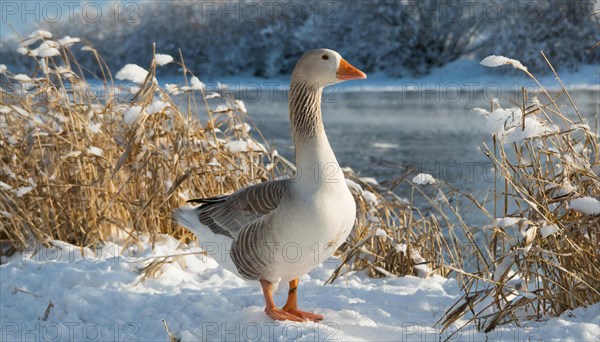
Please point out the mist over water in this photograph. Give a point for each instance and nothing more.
(385, 134)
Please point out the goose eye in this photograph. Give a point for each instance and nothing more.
(325, 57)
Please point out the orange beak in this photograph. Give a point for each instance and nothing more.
(347, 72)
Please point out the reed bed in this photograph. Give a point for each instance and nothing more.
(537, 259)
(85, 162)
(544, 256)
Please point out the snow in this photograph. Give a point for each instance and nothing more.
(503, 267)
(131, 114)
(533, 128)
(381, 233)
(236, 146)
(133, 73)
(548, 230)
(384, 146)
(5, 186)
(242, 127)
(241, 106)
(421, 265)
(369, 180)
(65, 72)
(162, 59)
(352, 185)
(196, 84)
(506, 221)
(3, 69)
(48, 52)
(101, 292)
(35, 36)
(41, 33)
(156, 107)
(400, 247)
(47, 49)
(97, 151)
(495, 61)
(22, 78)
(20, 192)
(369, 197)
(586, 205)
(94, 127)
(68, 41)
(465, 73)
(221, 108)
(423, 178)
(507, 125)
(172, 88)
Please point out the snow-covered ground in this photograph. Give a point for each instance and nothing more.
(101, 297)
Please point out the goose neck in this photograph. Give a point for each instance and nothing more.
(305, 111)
(310, 141)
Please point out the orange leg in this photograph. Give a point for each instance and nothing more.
(291, 306)
(271, 310)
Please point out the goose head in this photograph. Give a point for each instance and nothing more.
(323, 66)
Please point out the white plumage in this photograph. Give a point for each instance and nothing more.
(277, 231)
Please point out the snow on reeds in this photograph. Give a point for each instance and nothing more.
(388, 238)
(538, 261)
(544, 257)
(86, 162)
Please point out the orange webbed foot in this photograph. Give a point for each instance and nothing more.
(282, 315)
(304, 314)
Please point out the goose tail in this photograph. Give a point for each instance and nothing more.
(216, 246)
(189, 218)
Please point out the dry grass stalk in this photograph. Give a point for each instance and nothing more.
(171, 337)
(47, 312)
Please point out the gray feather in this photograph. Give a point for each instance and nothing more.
(229, 215)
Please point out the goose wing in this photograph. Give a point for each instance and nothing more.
(228, 215)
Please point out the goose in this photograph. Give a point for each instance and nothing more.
(279, 230)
